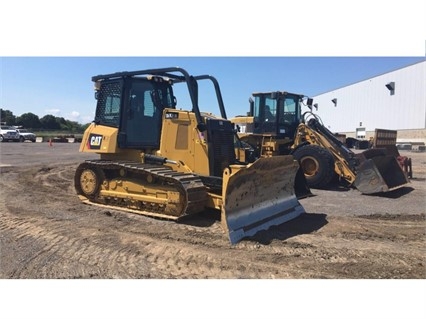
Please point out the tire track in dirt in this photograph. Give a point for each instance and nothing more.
(67, 239)
(58, 243)
(168, 259)
(369, 248)
(52, 176)
(58, 240)
(182, 260)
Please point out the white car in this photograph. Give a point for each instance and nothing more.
(8, 134)
(25, 135)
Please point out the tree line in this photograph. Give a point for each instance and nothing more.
(48, 122)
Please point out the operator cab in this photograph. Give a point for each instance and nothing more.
(276, 113)
(135, 106)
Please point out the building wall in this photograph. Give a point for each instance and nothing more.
(417, 136)
(370, 105)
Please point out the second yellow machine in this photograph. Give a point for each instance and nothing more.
(276, 126)
(158, 160)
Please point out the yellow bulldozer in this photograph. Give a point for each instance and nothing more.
(163, 161)
(275, 126)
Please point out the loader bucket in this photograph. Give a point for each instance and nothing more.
(258, 196)
(379, 174)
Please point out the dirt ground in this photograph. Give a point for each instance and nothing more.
(46, 232)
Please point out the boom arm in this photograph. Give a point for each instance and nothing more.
(316, 133)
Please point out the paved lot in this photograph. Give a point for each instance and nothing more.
(27, 154)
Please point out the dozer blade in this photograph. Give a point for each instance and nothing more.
(379, 174)
(259, 196)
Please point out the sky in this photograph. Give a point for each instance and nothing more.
(47, 59)
(62, 86)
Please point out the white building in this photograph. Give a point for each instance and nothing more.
(395, 100)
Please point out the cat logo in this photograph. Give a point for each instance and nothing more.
(95, 141)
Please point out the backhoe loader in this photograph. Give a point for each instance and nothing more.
(275, 126)
(163, 161)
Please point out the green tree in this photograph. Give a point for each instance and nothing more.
(74, 127)
(62, 123)
(49, 122)
(7, 117)
(29, 120)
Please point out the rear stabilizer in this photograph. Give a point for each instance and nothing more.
(258, 196)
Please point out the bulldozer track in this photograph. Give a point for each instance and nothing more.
(188, 185)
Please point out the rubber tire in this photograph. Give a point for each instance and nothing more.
(323, 165)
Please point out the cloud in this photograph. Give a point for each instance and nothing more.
(86, 119)
(73, 116)
(54, 112)
(78, 117)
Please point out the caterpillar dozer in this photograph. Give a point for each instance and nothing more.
(162, 161)
(275, 126)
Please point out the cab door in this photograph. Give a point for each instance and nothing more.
(141, 119)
